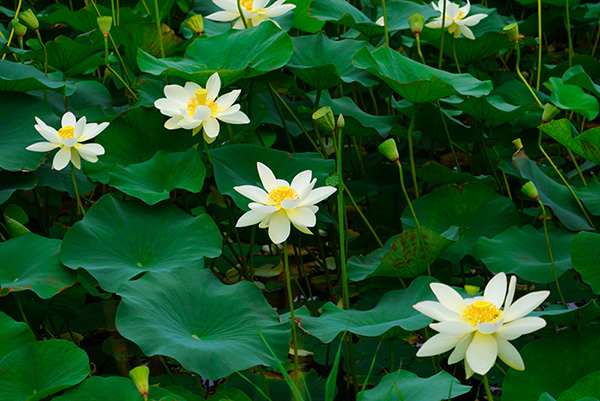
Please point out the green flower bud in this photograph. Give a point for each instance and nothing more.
(324, 117)
(104, 23)
(341, 123)
(140, 375)
(530, 190)
(195, 24)
(518, 144)
(416, 22)
(29, 18)
(471, 289)
(512, 31)
(389, 149)
(20, 29)
(550, 111)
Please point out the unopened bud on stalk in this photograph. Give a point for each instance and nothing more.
(550, 111)
(140, 375)
(20, 29)
(530, 190)
(512, 31)
(341, 123)
(389, 149)
(324, 117)
(471, 289)
(104, 23)
(195, 24)
(416, 22)
(29, 18)
(518, 144)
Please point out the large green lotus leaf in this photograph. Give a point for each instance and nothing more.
(571, 97)
(13, 334)
(210, 328)
(113, 388)
(584, 252)
(11, 182)
(493, 110)
(393, 310)
(437, 174)
(407, 386)
(590, 196)
(67, 55)
(32, 262)
(41, 369)
(551, 193)
(117, 240)
(63, 180)
(570, 317)
(324, 63)
(302, 18)
(241, 53)
(401, 256)
(524, 252)
(17, 77)
(475, 209)
(587, 386)
(577, 76)
(17, 118)
(414, 81)
(236, 165)
(586, 144)
(86, 18)
(152, 181)
(134, 137)
(552, 364)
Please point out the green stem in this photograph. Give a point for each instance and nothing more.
(411, 156)
(539, 71)
(442, 37)
(562, 298)
(385, 24)
(23, 315)
(372, 94)
(37, 31)
(208, 153)
(288, 283)
(518, 68)
(448, 135)
(242, 17)
(79, 205)
(341, 225)
(166, 368)
(596, 42)
(418, 36)
(159, 29)
(488, 391)
(363, 217)
(569, 39)
(454, 52)
(577, 167)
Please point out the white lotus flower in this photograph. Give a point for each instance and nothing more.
(69, 139)
(193, 107)
(455, 18)
(282, 203)
(255, 11)
(477, 329)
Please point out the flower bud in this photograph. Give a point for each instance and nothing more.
(341, 123)
(20, 29)
(518, 144)
(550, 111)
(416, 22)
(530, 190)
(29, 18)
(324, 117)
(389, 149)
(195, 24)
(104, 23)
(471, 289)
(140, 375)
(512, 31)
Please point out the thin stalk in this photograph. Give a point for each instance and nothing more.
(245, 270)
(210, 161)
(503, 175)
(112, 7)
(145, 7)
(442, 37)
(283, 123)
(568, 27)
(242, 17)
(288, 283)
(159, 29)
(562, 298)
(518, 68)
(79, 205)
(419, 49)
(577, 167)
(12, 31)
(372, 94)
(108, 67)
(23, 315)
(359, 155)
(539, 71)
(448, 135)
(118, 17)
(454, 52)
(488, 391)
(341, 225)
(363, 216)
(166, 368)
(385, 24)
(411, 156)
(596, 41)
(264, 381)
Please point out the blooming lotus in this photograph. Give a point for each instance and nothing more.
(280, 203)
(477, 328)
(255, 11)
(455, 18)
(193, 107)
(68, 138)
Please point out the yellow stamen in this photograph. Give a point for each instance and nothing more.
(67, 132)
(200, 99)
(247, 4)
(481, 312)
(279, 194)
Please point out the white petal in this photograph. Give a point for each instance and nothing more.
(437, 23)
(70, 142)
(460, 350)
(251, 192)
(448, 297)
(68, 119)
(191, 88)
(225, 101)
(290, 204)
(302, 216)
(75, 159)
(272, 12)
(303, 229)
(517, 328)
(201, 114)
(452, 11)
(79, 128)
(227, 5)
(439, 344)
(436, 311)
(307, 189)
(509, 354)
(167, 107)
(255, 216)
(266, 177)
(213, 86)
(525, 305)
(489, 328)
(301, 181)
(512, 286)
(42, 147)
(177, 94)
(468, 371)
(211, 127)
(473, 19)
(465, 9)
(47, 132)
(495, 290)
(279, 227)
(223, 16)
(89, 149)
(61, 159)
(173, 123)
(482, 353)
(92, 132)
(452, 327)
(238, 24)
(235, 118)
(318, 194)
(259, 4)
(467, 32)
(185, 124)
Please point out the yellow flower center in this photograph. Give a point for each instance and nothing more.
(67, 132)
(461, 15)
(247, 4)
(279, 194)
(200, 99)
(481, 312)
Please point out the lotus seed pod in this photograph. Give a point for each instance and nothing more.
(530, 190)
(518, 144)
(29, 18)
(140, 375)
(389, 149)
(416, 22)
(20, 29)
(195, 24)
(550, 111)
(512, 31)
(104, 23)
(324, 117)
